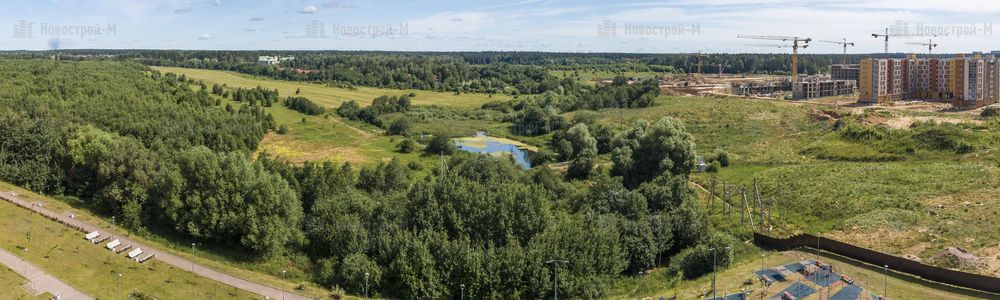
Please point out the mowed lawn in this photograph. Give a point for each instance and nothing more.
(10, 286)
(91, 268)
(329, 96)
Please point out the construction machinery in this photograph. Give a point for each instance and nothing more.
(929, 44)
(795, 47)
(845, 43)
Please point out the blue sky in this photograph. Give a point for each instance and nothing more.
(514, 25)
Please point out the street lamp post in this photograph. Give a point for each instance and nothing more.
(366, 285)
(714, 294)
(282, 285)
(463, 291)
(555, 276)
(119, 286)
(885, 282)
(192, 260)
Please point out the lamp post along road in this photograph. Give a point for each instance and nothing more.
(713, 267)
(555, 276)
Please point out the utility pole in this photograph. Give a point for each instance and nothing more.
(713, 267)
(192, 260)
(885, 282)
(555, 276)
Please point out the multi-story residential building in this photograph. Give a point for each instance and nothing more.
(816, 87)
(965, 81)
(844, 72)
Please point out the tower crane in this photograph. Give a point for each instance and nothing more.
(887, 36)
(700, 56)
(795, 47)
(930, 45)
(845, 43)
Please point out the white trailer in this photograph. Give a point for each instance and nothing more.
(91, 236)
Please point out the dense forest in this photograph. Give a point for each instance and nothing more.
(485, 72)
(161, 154)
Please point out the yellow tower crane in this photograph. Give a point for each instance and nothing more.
(795, 47)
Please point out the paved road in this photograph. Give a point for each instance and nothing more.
(181, 263)
(39, 280)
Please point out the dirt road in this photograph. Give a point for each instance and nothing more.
(240, 283)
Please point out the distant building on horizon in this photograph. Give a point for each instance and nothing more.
(272, 60)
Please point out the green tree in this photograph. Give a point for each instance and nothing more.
(440, 144)
(664, 147)
(353, 273)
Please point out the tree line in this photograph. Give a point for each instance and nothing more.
(164, 158)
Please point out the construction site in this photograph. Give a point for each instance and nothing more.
(963, 82)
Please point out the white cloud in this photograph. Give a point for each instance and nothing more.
(451, 22)
(309, 9)
(204, 37)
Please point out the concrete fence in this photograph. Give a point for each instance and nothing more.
(899, 264)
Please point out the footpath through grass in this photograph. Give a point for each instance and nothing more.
(10, 286)
(49, 238)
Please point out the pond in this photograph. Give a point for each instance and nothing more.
(481, 143)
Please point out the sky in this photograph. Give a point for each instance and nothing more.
(680, 26)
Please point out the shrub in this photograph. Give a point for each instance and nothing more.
(406, 146)
(990, 111)
(722, 157)
(440, 144)
(401, 126)
(283, 129)
(582, 166)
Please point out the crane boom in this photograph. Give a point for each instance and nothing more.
(795, 47)
(845, 43)
(930, 45)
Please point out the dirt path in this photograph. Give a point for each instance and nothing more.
(363, 133)
(38, 280)
(184, 264)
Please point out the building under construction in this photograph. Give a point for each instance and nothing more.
(964, 81)
(817, 87)
(763, 87)
(844, 72)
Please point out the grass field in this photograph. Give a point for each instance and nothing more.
(92, 269)
(329, 96)
(153, 277)
(731, 280)
(10, 286)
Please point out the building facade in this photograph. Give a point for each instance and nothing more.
(844, 72)
(964, 81)
(822, 87)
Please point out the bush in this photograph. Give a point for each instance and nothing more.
(440, 144)
(283, 129)
(406, 146)
(401, 126)
(722, 157)
(582, 166)
(353, 270)
(990, 111)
